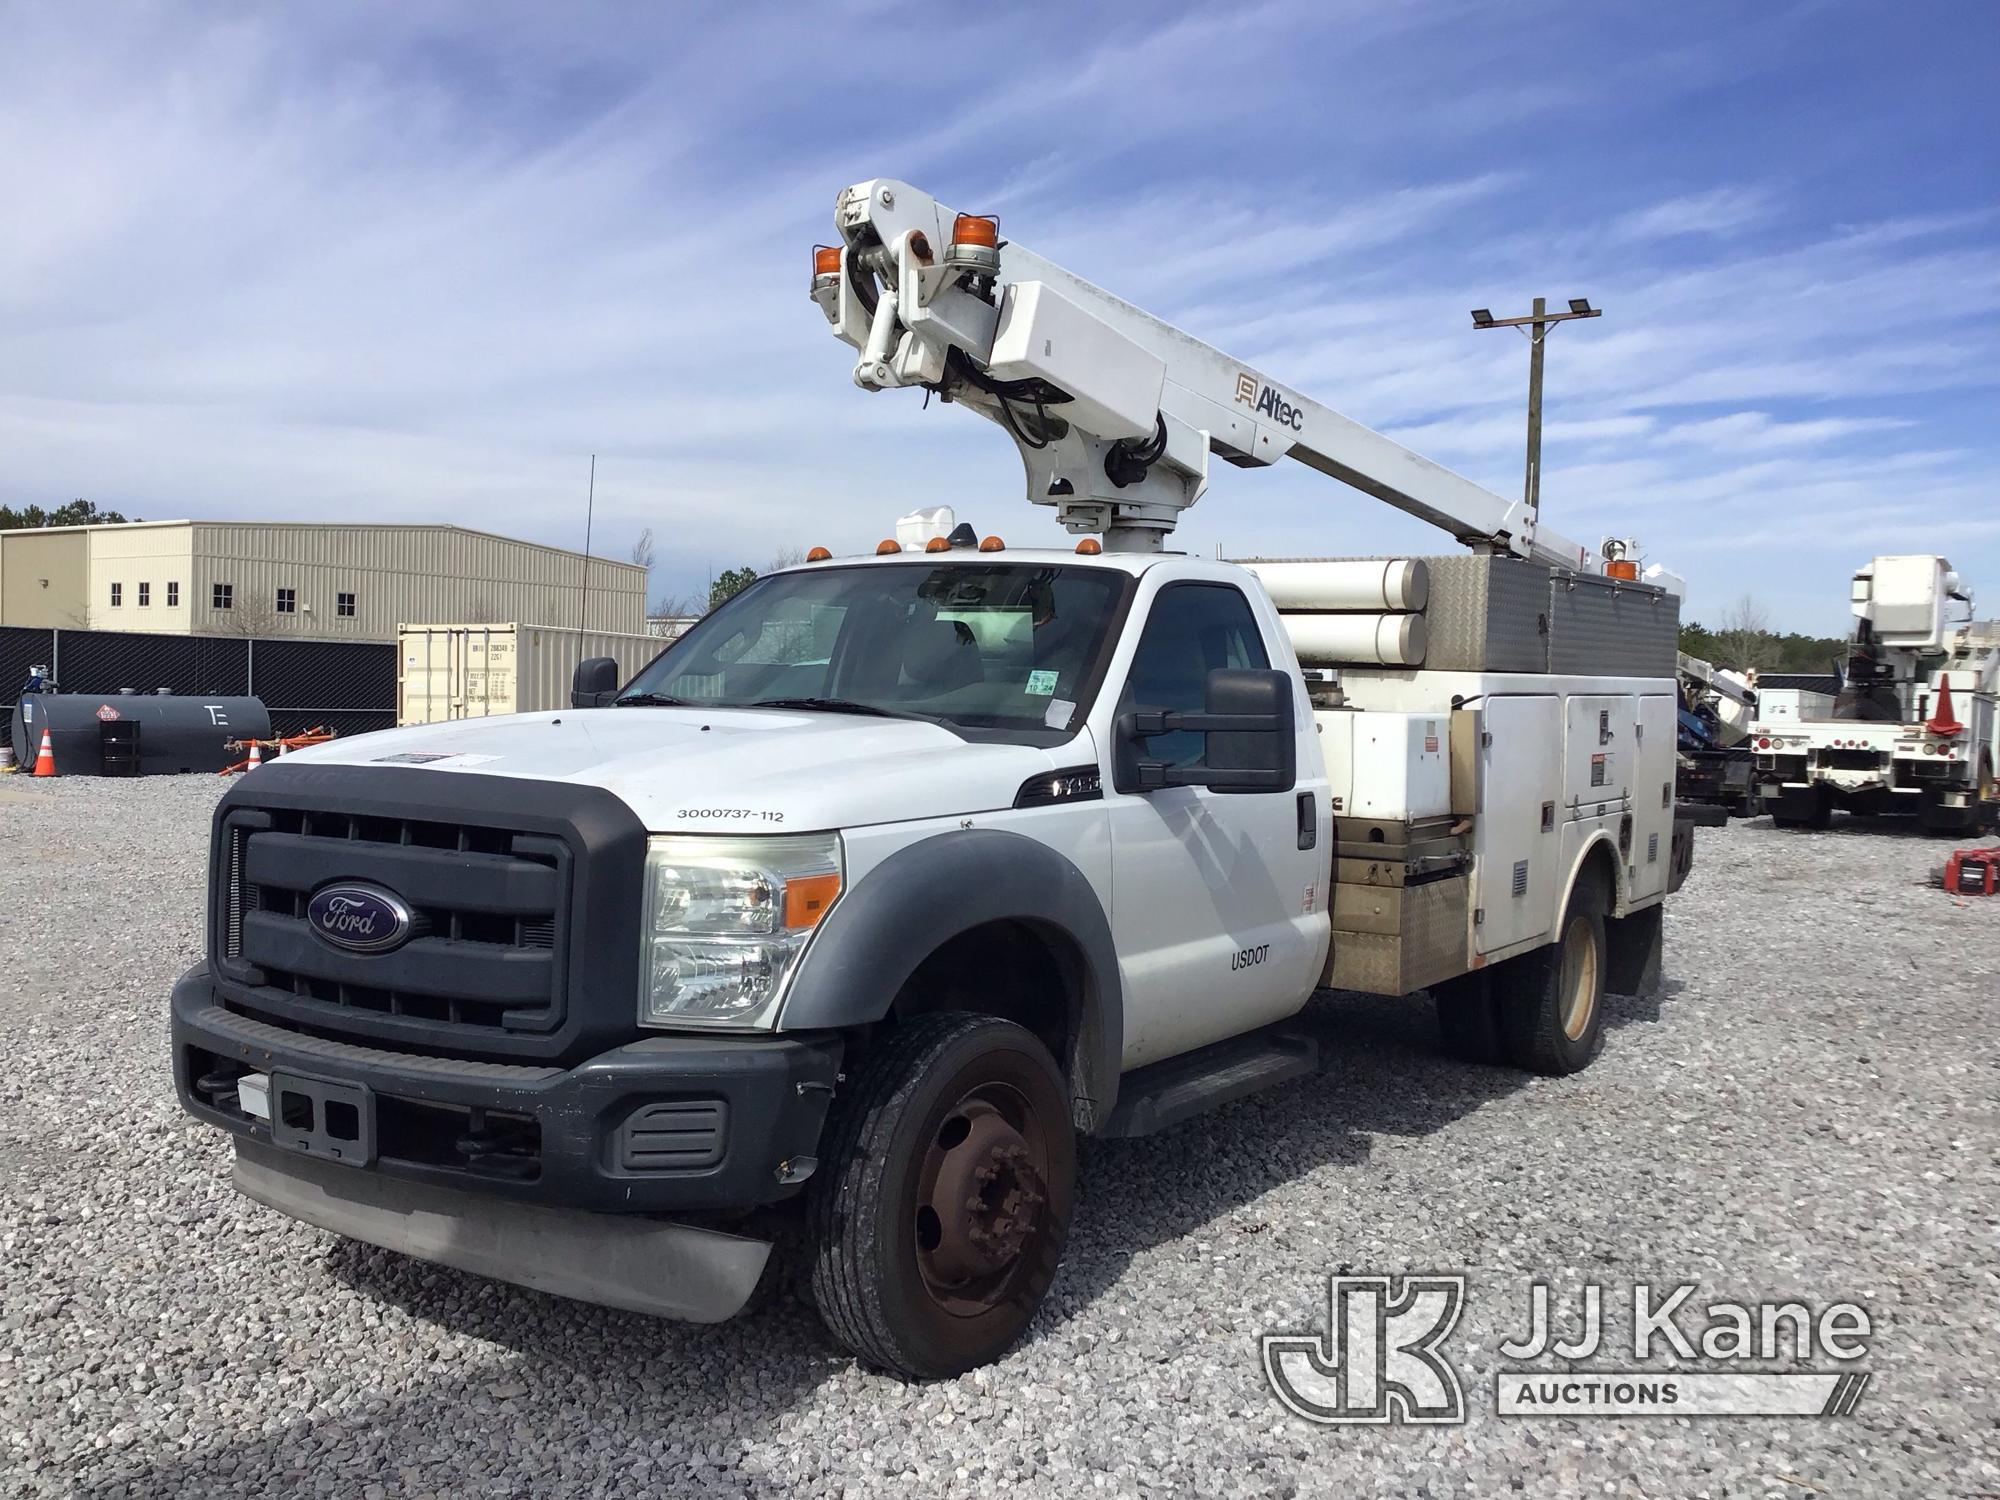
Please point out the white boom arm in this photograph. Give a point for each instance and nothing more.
(1115, 412)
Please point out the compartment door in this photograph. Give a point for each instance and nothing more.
(1517, 842)
(1646, 867)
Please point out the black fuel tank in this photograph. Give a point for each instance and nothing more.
(135, 734)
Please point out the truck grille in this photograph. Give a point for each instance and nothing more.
(486, 952)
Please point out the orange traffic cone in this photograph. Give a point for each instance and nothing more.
(256, 757)
(45, 761)
(1944, 723)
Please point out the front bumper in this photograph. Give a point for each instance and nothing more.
(666, 1125)
(654, 1266)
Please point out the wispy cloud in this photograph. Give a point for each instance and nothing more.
(1719, 211)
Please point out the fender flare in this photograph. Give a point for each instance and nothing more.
(1600, 836)
(941, 887)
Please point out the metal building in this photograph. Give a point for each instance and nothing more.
(309, 580)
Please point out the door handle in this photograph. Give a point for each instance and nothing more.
(1308, 821)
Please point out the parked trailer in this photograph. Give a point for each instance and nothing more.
(447, 672)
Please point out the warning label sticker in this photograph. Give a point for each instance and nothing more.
(107, 713)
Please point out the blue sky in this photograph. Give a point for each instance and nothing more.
(417, 262)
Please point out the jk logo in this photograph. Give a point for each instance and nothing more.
(1378, 1359)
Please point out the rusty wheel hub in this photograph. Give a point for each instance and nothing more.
(981, 1196)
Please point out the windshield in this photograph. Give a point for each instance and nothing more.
(999, 646)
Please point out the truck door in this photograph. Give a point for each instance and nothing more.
(1219, 919)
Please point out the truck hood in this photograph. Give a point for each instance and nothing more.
(713, 769)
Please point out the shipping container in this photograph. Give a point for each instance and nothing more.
(446, 672)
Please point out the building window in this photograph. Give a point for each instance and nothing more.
(225, 596)
(145, 595)
(173, 596)
(343, 605)
(117, 594)
(288, 601)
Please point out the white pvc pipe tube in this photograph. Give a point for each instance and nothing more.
(1358, 640)
(1361, 583)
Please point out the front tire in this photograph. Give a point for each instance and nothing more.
(942, 1215)
(1551, 1001)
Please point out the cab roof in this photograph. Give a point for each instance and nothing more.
(1133, 563)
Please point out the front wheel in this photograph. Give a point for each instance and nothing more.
(940, 1220)
(1551, 1002)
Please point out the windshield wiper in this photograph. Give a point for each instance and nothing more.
(840, 706)
(652, 700)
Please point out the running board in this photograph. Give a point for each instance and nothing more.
(1166, 1093)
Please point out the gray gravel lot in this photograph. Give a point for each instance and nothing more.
(1808, 1111)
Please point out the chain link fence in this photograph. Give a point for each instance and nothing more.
(347, 686)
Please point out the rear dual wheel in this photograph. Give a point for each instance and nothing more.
(1542, 1011)
(937, 1229)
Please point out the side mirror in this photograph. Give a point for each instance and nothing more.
(595, 682)
(1249, 729)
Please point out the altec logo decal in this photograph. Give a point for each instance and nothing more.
(1267, 403)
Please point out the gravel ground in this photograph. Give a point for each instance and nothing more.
(1807, 1111)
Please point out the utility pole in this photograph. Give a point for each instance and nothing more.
(1537, 325)
(589, 514)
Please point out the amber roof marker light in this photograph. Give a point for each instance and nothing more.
(976, 229)
(975, 244)
(818, 554)
(886, 546)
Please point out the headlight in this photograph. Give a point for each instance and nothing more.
(726, 918)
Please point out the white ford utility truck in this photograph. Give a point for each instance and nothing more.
(843, 919)
(1915, 727)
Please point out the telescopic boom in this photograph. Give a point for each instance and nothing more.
(1115, 412)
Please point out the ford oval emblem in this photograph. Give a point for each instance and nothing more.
(359, 918)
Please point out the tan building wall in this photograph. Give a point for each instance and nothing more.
(396, 574)
(151, 565)
(45, 579)
(341, 582)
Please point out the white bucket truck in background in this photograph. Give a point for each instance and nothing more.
(1913, 729)
(845, 917)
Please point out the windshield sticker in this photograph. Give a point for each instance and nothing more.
(1057, 714)
(1042, 682)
